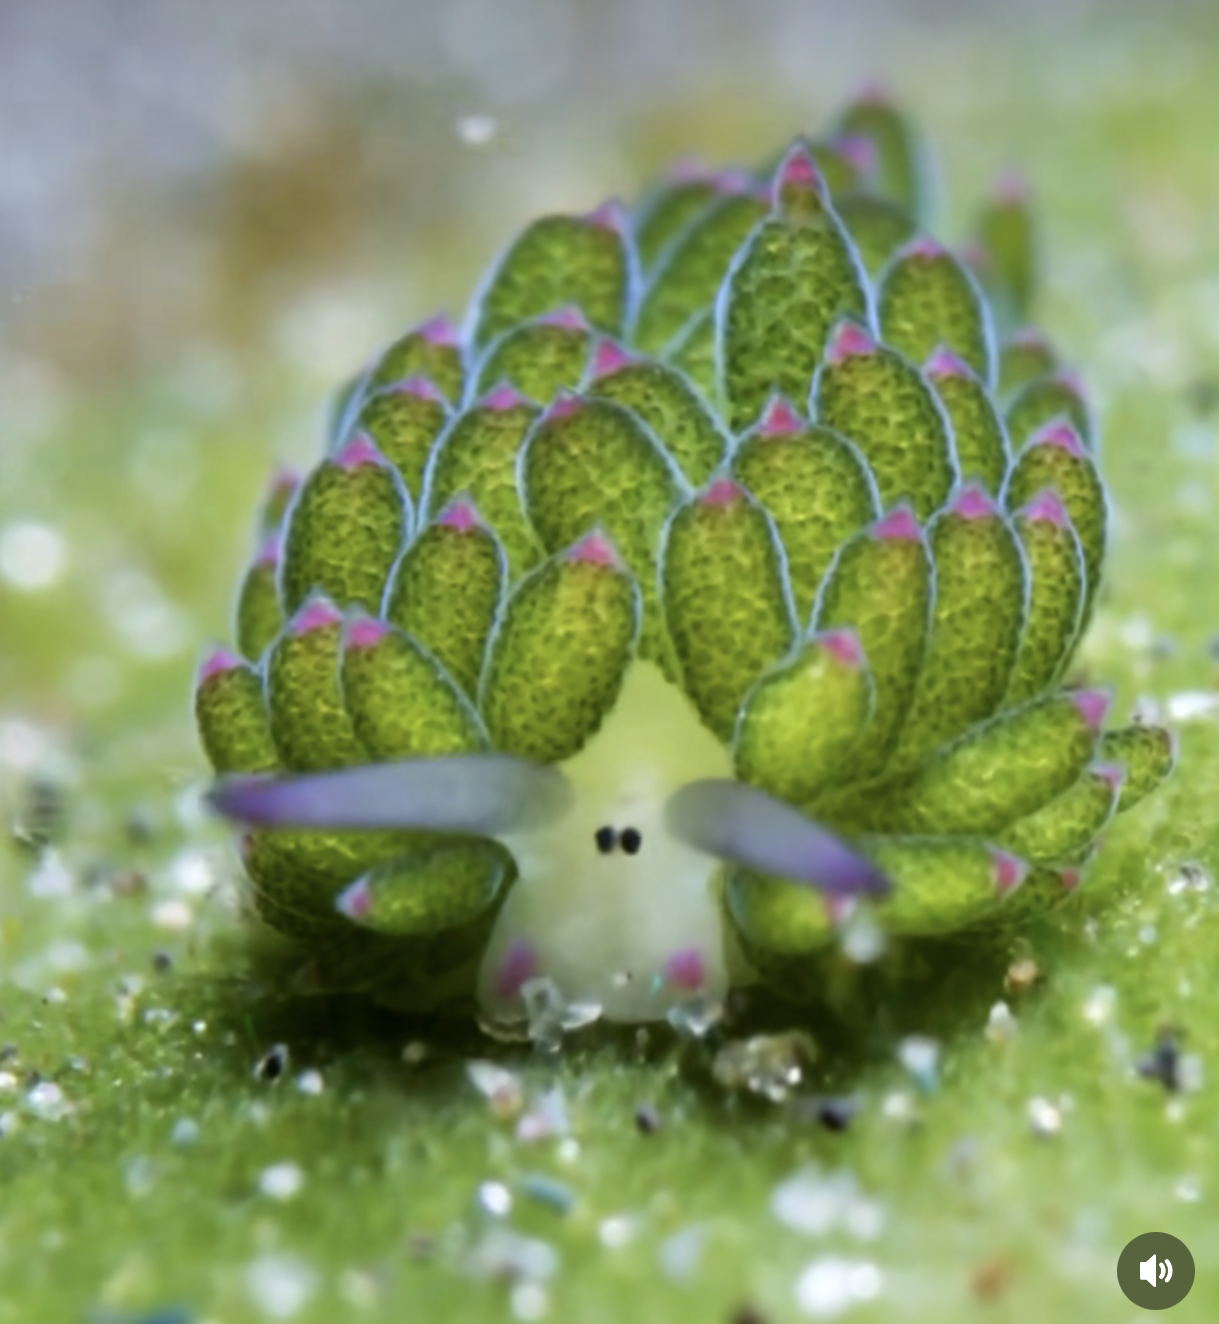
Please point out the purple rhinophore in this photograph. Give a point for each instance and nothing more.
(1010, 871)
(355, 901)
(421, 387)
(596, 548)
(569, 318)
(440, 330)
(720, 492)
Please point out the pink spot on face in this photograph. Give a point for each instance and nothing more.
(722, 492)
(1047, 508)
(944, 363)
(423, 388)
(849, 340)
(1010, 872)
(503, 396)
(974, 502)
(897, 526)
(609, 358)
(1093, 706)
(359, 451)
(609, 216)
(440, 330)
(923, 247)
(686, 970)
(316, 615)
(566, 404)
(1061, 434)
(1112, 773)
(858, 151)
(844, 646)
(367, 632)
(355, 901)
(218, 664)
(780, 418)
(518, 966)
(596, 548)
(269, 553)
(568, 318)
(460, 515)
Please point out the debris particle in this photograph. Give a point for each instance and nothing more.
(281, 1285)
(273, 1063)
(831, 1285)
(495, 1199)
(618, 1230)
(310, 1082)
(550, 1016)
(834, 1112)
(1045, 1117)
(898, 1106)
(1167, 1064)
(500, 1087)
(1001, 1025)
(281, 1181)
(681, 1253)
(416, 1053)
(1192, 705)
(185, 1132)
(772, 1065)
(747, 1315)
(1188, 1190)
(815, 1203)
(529, 1301)
(47, 1101)
(647, 1119)
(696, 1017)
(162, 962)
(1021, 975)
(1189, 877)
(7, 1080)
(863, 938)
(51, 880)
(548, 1191)
(991, 1279)
(501, 1254)
(172, 915)
(920, 1056)
(477, 130)
(1099, 1005)
(546, 1117)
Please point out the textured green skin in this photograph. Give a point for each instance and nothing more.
(1057, 584)
(927, 300)
(1022, 359)
(345, 532)
(776, 918)
(900, 172)
(558, 657)
(540, 359)
(311, 727)
(1061, 831)
(558, 261)
(433, 888)
(885, 405)
(882, 589)
(666, 213)
(800, 723)
(414, 355)
(688, 279)
(1005, 230)
(998, 773)
(403, 704)
(976, 625)
(601, 465)
(404, 424)
(1042, 401)
(1148, 754)
(978, 431)
(446, 590)
(259, 614)
(232, 719)
(818, 490)
(478, 457)
(796, 276)
(1078, 482)
(878, 227)
(952, 878)
(725, 601)
(665, 401)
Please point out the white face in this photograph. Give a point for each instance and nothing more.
(608, 904)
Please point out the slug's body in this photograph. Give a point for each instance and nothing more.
(722, 574)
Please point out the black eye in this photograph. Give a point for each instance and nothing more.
(631, 841)
(606, 839)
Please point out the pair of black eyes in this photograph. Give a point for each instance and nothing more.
(607, 838)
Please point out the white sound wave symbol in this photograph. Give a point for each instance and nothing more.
(1165, 1270)
(1147, 1270)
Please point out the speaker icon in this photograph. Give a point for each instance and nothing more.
(1147, 1270)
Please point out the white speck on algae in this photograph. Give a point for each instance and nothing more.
(1001, 1025)
(281, 1285)
(281, 1181)
(815, 1203)
(921, 1058)
(831, 1285)
(1045, 1117)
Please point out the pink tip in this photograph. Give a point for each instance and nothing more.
(1010, 872)
(1070, 380)
(609, 358)
(355, 901)
(359, 451)
(461, 515)
(897, 526)
(1061, 434)
(849, 340)
(944, 363)
(686, 969)
(503, 396)
(569, 317)
(218, 663)
(270, 552)
(596, 548)
(367, 632)
(1047, 508)
(780, 418)
(283, 481)
(316, 615)
(1010, 188)
(858, 151)
(611, 215)
(1113, 773)
(519, 965)
(1093, 706)
(974, 502)
(422, 387)
(800, 169)
(843, 645)
(721, 492)
(565, 404)
(923, 247)
(1070, 878)
(440, 330)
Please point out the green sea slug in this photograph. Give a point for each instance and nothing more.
(719, 577)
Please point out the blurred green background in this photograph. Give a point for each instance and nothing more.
(209, 216)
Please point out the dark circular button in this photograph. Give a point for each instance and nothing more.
(1155, 1270)
(606, 839)
(631, 841)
